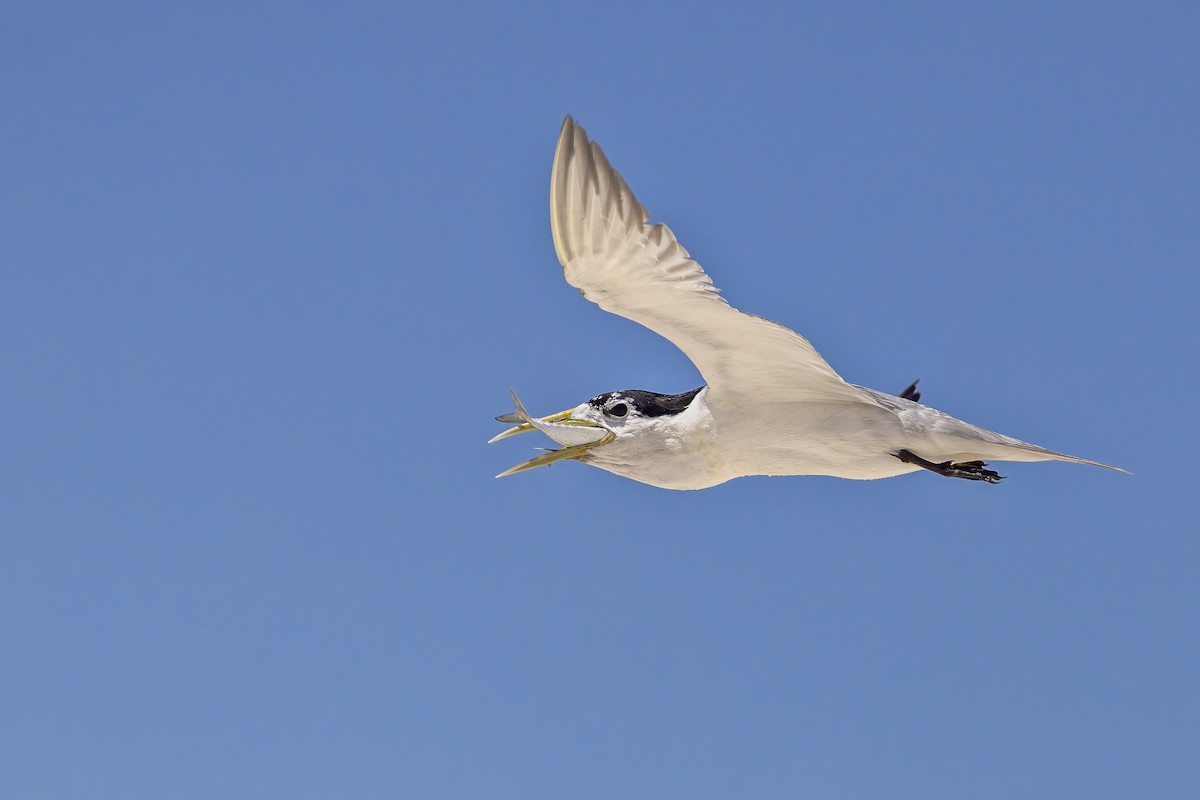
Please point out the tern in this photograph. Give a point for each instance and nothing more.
(770, 404)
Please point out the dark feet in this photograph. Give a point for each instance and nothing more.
(968, 470)
(911, 392)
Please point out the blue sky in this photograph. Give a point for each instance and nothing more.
(269, 269)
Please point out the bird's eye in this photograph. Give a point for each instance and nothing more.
(619, 410)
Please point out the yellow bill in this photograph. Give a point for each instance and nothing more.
(577, 436)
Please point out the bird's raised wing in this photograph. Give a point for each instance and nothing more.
(627, 266)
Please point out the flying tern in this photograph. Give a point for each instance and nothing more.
(771, 405)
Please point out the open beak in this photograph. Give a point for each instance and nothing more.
(576, 435)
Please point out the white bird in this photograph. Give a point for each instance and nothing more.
(771, 405)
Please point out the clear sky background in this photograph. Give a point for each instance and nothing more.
(269, 269)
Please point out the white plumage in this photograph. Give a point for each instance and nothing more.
(771, 406)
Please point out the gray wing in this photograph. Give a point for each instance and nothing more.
(637, 270)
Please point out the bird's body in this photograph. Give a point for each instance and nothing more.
(843, 439)
(771, 405)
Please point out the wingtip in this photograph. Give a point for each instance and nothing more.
(568, 129)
